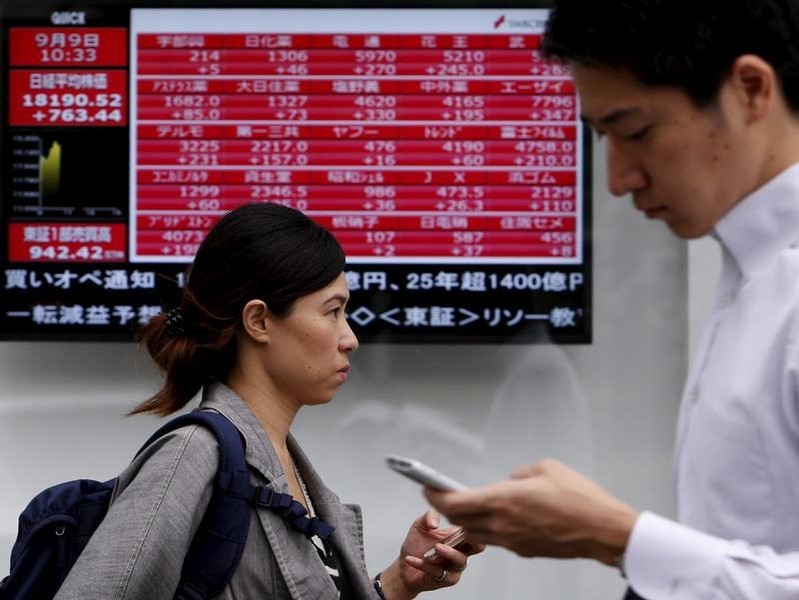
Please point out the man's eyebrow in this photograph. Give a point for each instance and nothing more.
(611, 118)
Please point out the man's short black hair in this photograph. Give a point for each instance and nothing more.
(689, 44)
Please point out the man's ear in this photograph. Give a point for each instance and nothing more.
(255, 318)
(756, 85)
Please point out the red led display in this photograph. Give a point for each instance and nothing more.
(456, 147)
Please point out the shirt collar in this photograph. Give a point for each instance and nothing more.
(763, 223)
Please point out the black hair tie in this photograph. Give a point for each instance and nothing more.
(175, 323)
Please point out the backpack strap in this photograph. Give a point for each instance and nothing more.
(291, 511)
(218, 544)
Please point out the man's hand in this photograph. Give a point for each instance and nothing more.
(545, 509)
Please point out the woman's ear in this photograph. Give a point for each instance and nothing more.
(255, 318)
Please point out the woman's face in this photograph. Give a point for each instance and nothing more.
(309, 348)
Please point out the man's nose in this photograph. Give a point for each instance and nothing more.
(624, 170)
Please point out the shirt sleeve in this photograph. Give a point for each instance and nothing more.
(669, 561)
(137, 551)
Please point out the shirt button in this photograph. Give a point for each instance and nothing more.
(693, 395)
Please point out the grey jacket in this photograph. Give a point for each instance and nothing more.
(137, 552)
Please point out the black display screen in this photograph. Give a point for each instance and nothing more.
(437, 145)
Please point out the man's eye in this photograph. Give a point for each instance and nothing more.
(336, 312)
(637, 135)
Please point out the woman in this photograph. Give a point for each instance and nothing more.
(261, 331)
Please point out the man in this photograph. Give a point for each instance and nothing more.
(699, 103)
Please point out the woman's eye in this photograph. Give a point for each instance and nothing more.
(336, 312)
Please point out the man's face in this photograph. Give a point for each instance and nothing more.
(683, 165)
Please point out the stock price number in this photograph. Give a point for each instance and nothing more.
(461, 192)
(68, 100)
(382, 241)
(380, 197)
(180, 249)
(66, 253)
(182, 242)
(79, 115)
(467, 243)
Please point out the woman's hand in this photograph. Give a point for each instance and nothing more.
(411, 574)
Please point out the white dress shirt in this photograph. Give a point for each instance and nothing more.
(737, 451)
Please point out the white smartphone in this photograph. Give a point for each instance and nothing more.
(426, 475)
(421, 473)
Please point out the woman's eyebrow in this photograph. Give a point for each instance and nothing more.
(340, 297)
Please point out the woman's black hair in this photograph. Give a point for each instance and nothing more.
(257, 251)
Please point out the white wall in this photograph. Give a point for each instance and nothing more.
(476, 412)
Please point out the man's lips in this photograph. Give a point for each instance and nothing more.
(653, 212)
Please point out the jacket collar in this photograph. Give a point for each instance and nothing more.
(347, 537)
(260, 454)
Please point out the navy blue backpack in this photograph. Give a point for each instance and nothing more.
(56, 525)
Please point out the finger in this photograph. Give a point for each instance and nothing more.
(429, 521)
(476, 522)
(423, 565)
(525, 471)
(471, 547)
(460, 503)
(468, 520)
(451, 559)
(439, 500)
(433, 571)
(445, 532)
(546, 467)
(426, 522)
(482, 536)
(467, 547)
(443, 576)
